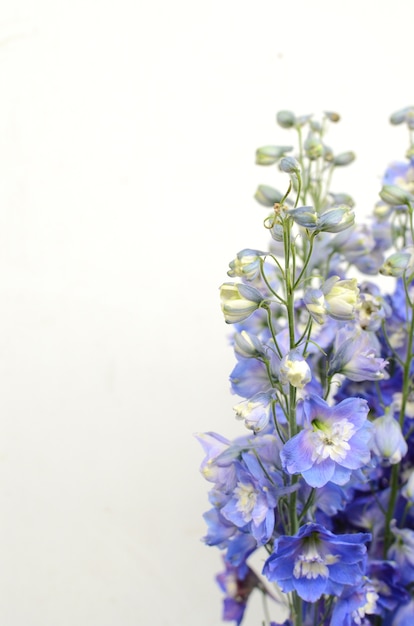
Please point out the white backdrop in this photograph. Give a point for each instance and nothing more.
(127, 139)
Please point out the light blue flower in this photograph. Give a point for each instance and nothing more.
(334, 442)
(315, 562)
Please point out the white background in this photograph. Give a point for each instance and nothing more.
(127, 139)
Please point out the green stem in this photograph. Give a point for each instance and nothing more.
(306, 263)
(395, 468)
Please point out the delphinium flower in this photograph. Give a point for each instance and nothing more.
(322, 482)
(334, 441)
(315, 562)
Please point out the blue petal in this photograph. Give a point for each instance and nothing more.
(310, 589)
(320, 473)
(296, 454)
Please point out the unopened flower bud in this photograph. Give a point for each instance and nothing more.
(345, 158)
(289, 165)
(267, 155)
(313, 147)
(286, 119)
(277, 232)
(267, 196)
(341, 297)
(398, 263)
(332, 117)
(294, 370)
(337, 219)
(305, 216)
(239, 301)
(247, 345)
(394, 195)
(246, 264)
(388, 440)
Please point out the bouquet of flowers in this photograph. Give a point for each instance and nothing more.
(321, 481)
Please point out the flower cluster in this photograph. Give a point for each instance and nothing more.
(322, 480)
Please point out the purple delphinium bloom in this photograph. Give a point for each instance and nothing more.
(334, 442)
(315, 562)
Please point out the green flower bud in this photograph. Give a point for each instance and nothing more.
(394, 195)
(313, 147)
(345, 158)
(267, 196)
(289, 165)
(267, 155)
(286, 119)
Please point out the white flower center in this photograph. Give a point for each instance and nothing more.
(331, 440)
(368, 608)
(310, 563)
(246, 500)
